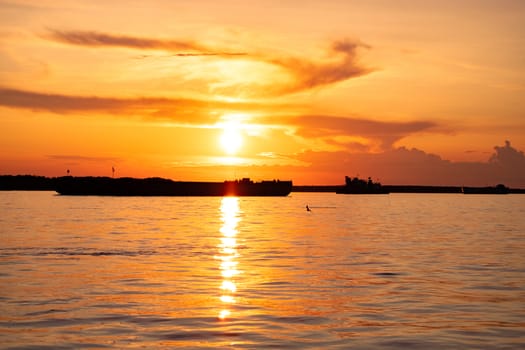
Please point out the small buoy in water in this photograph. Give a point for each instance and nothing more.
(307, 208)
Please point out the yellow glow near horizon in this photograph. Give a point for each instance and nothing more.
(231, 139)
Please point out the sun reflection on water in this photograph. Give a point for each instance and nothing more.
(228, 253)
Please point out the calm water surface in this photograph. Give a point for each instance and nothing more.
(361, 272)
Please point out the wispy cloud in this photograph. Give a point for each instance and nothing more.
(384, 132)
(305, 72)
(98, 39)
(310, 74)
(82, 158)
(208, 112)
(186, 111)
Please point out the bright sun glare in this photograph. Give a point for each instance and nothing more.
(231, 139)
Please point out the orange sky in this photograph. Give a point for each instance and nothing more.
(405, 91)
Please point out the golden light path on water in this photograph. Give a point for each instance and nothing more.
(228, 253)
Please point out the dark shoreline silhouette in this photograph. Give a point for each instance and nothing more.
(411, 189)
(27, 183)
(360, 186)
(42, 183)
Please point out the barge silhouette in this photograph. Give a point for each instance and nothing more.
(359, 186)
(125, 186)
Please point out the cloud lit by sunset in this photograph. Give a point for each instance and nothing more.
(406, 92)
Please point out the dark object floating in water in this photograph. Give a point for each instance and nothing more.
(125, 186)
(359, 186)
(386, 274)
(498, 189)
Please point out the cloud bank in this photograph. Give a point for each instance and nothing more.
(402, 166)
(387, 133)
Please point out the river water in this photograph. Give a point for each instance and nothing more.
(394, 271)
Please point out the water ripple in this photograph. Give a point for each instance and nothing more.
(394, 272)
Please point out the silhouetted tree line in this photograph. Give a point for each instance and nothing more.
(27, 183)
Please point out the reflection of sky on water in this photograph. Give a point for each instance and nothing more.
(228, 253)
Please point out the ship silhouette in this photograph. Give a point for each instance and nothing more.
(360, 186)
(125, 186)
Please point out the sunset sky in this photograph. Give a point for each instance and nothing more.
(404, 91)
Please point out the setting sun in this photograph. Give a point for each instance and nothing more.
(231, 139)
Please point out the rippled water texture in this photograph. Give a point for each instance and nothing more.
(361, 272)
